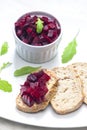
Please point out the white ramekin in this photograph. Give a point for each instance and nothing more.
(37, 54)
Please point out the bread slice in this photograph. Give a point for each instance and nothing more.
(81, 69)
(52, 88)
(69, 96)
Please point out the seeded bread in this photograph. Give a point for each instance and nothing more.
(69, 96)
(81, 69)
(52, 88)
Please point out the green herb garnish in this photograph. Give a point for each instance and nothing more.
(4, 48)
(5, 86)
(69, 51)
(25, 70)
(39, 25)
(5, 65)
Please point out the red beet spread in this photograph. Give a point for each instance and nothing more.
(25, 28)
(34, 88)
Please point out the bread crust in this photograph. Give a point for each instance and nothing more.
(52, 88)
(81, 69)
(69, 96)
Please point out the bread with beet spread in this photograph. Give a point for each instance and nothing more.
(51, 85)
(69, 96)
(81, 69)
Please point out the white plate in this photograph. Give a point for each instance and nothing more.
(73, 17)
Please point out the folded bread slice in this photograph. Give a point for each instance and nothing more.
(81, 69)
(52, 88)
(69, 96)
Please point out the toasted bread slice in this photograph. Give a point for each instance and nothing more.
(81, 69)
(52, 88)
(69, 96)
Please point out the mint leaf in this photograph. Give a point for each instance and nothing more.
(39, 25)
(5, 86)
(25, 70)
(4, 48)
(5, 65)
(69, 51)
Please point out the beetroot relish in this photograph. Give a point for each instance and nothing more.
(34, 88)
(25, 29)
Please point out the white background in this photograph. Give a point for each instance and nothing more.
(73, 17)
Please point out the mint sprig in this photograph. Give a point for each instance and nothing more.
(39, 25)
(5, 86)
(5, 65)
(4, 48)
(69, 51)
(25, 70)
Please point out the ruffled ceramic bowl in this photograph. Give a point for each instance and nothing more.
(37, 36)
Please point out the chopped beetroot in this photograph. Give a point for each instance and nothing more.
(32, 78)
(50, 33)
(34, 88)
(25, 28)
(27, 100)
